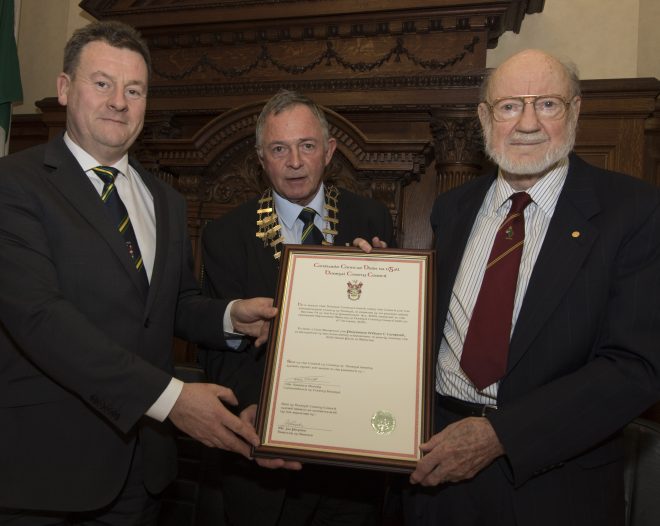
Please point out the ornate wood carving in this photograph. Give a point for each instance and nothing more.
(223, 54)
(458, 146)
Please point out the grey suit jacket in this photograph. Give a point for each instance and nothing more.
(83, 353)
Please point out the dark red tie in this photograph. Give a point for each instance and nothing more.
(487, 341)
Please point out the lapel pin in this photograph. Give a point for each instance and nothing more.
(575, 234)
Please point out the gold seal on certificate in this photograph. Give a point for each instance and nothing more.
(383, 422)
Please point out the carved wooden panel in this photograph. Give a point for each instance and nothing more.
(224, 54)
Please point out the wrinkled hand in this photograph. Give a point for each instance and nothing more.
(366, 247)
(199, 412)
(251, 317)
(457, 453)
(249, 415)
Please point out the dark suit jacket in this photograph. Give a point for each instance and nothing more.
(584, 355)
(237, 265)
(83, 354)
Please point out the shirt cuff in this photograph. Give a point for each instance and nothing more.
(227, 325)
(233, 339)
(162, 407)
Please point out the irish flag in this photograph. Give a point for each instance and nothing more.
(10, 75)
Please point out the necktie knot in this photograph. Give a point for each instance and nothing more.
(519, 202)
(311, 235)
(307, 215)
(107, 174)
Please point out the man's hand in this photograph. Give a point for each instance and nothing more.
(251, 317)
(249, 415)
(457, 453)
(366, 247)
(199, 412)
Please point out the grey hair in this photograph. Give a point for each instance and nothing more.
(285, 99)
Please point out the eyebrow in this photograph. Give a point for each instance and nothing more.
(131, 82)
(296, 141)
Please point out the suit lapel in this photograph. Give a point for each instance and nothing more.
(70, 180)
(451, 238)
(162, 215)
(568, 241)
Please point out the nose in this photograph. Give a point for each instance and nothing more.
(529, 121)
(294, 160)
(117, 100)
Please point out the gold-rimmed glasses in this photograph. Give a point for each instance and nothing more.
(547, 107)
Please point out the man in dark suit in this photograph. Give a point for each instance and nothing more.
(532, 436)
(241, 252)
(89, 305)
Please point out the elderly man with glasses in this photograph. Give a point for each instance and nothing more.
(548, 319)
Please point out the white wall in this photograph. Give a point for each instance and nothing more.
(604, 38)
(43, 30)
(648, 62)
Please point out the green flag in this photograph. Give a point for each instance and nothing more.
(10, 75)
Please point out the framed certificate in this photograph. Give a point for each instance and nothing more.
(348, 376)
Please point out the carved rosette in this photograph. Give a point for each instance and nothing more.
(458, 145)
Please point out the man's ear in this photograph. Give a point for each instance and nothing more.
(576, 102)
(63, 85)
(484, 114)
(330, 150)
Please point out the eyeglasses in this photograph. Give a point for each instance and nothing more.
(547, 107)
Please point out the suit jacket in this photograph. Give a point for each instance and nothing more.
(84, 353)
(583, 359)
(237, 265)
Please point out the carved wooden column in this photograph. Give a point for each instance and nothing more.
(458, 146)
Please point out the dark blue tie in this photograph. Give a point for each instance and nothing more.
(119, 215)
(311, 235)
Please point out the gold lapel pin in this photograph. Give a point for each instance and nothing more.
(575, 234)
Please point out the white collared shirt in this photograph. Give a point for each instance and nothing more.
(450, 378)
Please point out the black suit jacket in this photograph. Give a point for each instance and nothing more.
(237, 265)
(584, 357)
(83, 353)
